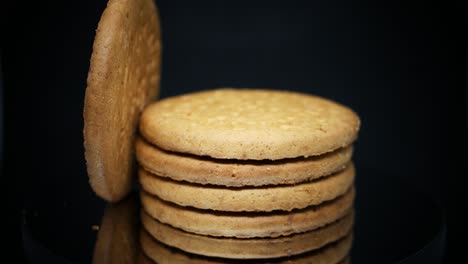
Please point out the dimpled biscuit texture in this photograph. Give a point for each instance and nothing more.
(249, 124)
(236, 173)
(248, 248)
(123, 77)
(263, 199)
(241, 225)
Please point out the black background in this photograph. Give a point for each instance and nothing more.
(401, 65)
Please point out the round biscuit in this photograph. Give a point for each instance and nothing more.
(255, 248)
(242, 225)
(249, 124)
(153, 250)
(263, 199)
(123, 77)
(236, 173)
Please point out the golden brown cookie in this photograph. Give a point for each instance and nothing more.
(249, 124)
(162, 254)
(263, 198)
(123, 77)
(205, 170)
(117, 240)
(247, 225)
(254, 248)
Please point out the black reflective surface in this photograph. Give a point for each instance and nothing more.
(395, 222)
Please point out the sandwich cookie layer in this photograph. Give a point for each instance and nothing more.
(256, 248)
(123, 77)
(249, 124)
(263, 199)
(236, 173)
(247, 225)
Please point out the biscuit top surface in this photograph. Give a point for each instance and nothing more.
(123, 77)
(249, 124)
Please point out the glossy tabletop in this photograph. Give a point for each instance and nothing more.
(394, 222)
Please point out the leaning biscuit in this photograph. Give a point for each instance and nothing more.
(123, 77)
(263, 198)
(236, 173)
(249, 124)
(257, 248)
(242, 225)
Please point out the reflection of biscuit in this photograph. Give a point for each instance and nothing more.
(117, 240)
(123, 77)
(237, 173)
(253, 248)
(143, 259)
(162, 254)
(249, 124)
(265, 198)
(245, 225)
(346, 260)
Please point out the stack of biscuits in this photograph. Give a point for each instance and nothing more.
(247, 173)
(226, 173)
